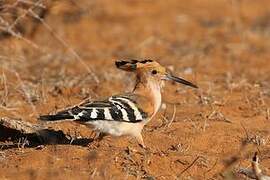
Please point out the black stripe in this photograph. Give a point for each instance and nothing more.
(129, 110)
(127, 98)
(76, 110)
(86, 115)
(98, 104)
(116, 113)
(120, 63)
(117, 104)
(133, 61)
(100, 114)
(146, 61)
(143, 114)
(55, 117)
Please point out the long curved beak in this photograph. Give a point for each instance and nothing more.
(180, 80)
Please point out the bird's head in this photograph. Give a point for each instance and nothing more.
(150, 69)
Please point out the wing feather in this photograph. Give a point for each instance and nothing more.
(123, 108)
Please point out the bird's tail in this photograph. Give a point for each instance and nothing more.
(57, 117)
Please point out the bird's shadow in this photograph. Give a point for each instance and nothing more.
(11, 138)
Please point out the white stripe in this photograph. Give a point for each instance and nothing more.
(133, 106)
(78, 115)
(94, 113)
(123, 111)
(125, 115)
(107, 114)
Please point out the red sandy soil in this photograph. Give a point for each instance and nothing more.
(223, 46)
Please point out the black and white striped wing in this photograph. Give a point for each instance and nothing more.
(116, 108)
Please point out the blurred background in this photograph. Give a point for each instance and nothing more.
(56, 53)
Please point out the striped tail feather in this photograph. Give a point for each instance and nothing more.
(55, 117)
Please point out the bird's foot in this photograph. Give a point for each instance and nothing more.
(97, 141)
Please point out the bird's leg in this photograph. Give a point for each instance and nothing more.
(145, 150)
(140, 140)
(96, 140)
(100, 136)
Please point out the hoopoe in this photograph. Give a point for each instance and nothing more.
(124, 114)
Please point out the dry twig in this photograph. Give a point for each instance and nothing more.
(189, 166)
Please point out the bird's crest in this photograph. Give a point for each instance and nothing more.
(134, 65)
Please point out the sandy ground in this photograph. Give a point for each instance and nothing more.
(223, 46)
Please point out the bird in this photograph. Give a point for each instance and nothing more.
(126, 113)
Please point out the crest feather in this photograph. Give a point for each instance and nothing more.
(131, 65)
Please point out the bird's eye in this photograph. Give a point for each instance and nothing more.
(154, 72)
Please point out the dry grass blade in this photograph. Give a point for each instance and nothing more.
(15, 34)
(66, 45)
(218, 116)
(26, 94)
(189, 166)
(5, 96)
(40, 5)
(173, 116)
(9, 28)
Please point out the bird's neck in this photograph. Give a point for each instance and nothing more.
(148, 87)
